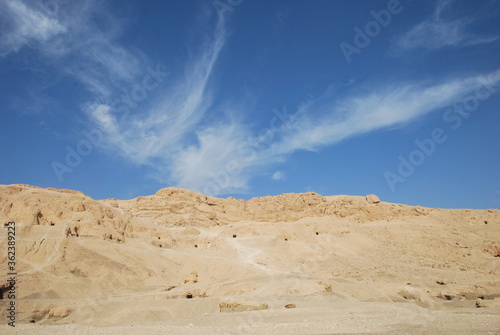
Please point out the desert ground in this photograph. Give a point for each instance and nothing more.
(179, 262)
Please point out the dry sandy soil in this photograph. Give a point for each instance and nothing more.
(179, 262)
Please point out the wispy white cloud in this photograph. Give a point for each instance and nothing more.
(440, 31)
(382, 108)
(230, 158)
(170, 132)
(164, 131)
(159, 132)
(278, 175)
(25, 25)
(217, 163)
(67, 38)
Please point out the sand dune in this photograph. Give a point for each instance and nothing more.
(184, 263)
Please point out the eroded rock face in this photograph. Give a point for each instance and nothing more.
(33, 206)
(184, 207)
(79, 257)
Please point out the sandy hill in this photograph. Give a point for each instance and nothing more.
(180, 255)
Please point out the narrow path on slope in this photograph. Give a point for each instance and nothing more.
(245, 252)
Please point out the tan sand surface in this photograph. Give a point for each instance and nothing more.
(179, 262)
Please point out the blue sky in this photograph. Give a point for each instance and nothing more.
(253, 97)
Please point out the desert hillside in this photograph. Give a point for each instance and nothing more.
(179, 255)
